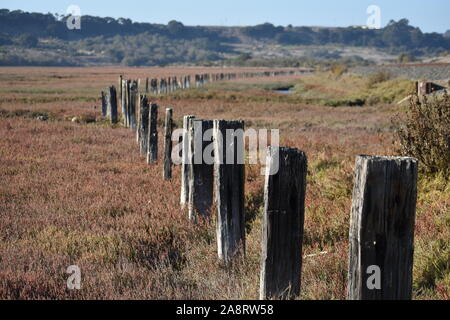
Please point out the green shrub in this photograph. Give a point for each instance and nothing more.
(378, 77)
(339, 70)
(425, 133)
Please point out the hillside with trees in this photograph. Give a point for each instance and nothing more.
(44, 39)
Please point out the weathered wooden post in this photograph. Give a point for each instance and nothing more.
(155, 86)
(138, 117)
(168, 145)
(185, 161)
(124, 101)
(143, 125)
(119, 98)
(111, 109)
(282, 231)
(229, 188)
(129, 84)
(423, 88)
(132, 104)
(382, 228)
(201, 169)
(104, 104)
(152, 155)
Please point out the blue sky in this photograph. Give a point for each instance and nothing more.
(429, 15)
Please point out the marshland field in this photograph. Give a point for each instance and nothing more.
(74, 189)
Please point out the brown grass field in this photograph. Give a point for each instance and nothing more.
(79, 193)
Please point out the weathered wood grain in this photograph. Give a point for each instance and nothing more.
(168, 145)
(104, 104)
(125, 92)
(134, 94)
(382, 227)
(201, 173)
(229, 189)
(111, 104)
(152, 155)
(283, 221)
(184, 195)
(143, 125)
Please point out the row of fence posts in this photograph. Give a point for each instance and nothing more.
(141, 116)
(381, 235)
(129, 90)
(382, 215)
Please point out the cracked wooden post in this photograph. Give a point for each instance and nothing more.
(143, 125)
(152, 155)
(184, 195)
(111, 105)
(229, 188)
(382, 228)
(283, 220)
(168, 145)
(201, 170)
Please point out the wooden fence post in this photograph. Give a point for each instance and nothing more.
(104, 104)
(168, 145)
(111, 109)
(184, 196)
(132, 105)
(283, 220)
(129, 84)
(382, 228)
(152, 155)
(229, 188)
(124, 101)
(201, 169)
(143, 125)
(138, 115)
(119, 98)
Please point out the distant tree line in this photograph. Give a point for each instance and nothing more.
(397, 36)
(123, 41)
(17, 22)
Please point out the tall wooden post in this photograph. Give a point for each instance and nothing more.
(201, 169)
(229, 188)
(168, 145)
(382, 228)
(104, 105)
(143, 125)
(119, 98)
(283, 220)
(138, 115)
(132, 105)
(128, 85)
(125, 102)
(152, 155)
(111, 109)
(184, 195)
